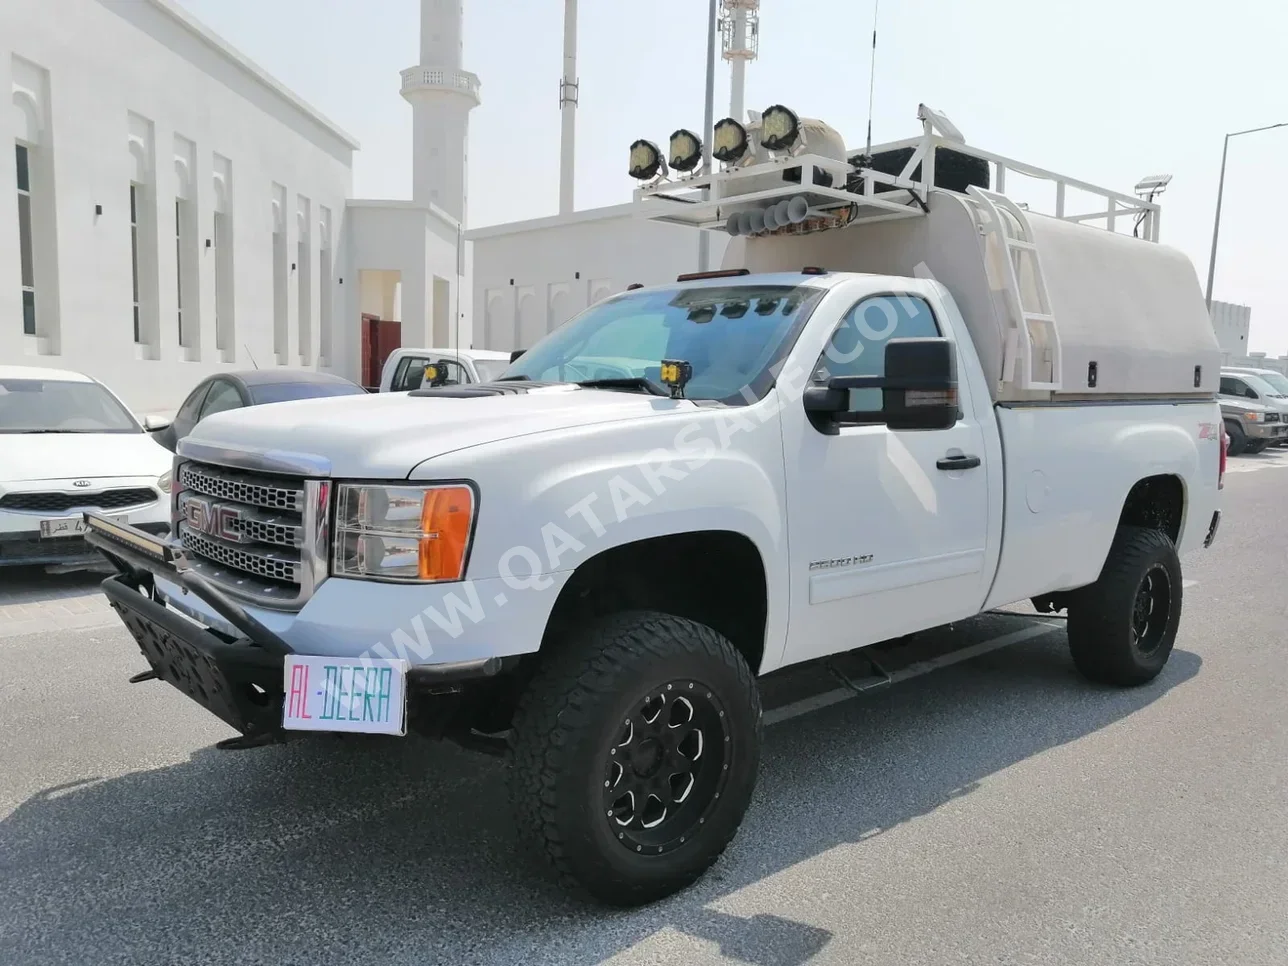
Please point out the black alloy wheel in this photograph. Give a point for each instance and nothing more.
(667, 769)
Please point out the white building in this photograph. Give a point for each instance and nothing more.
(171, 210)
(167, 209)
(530, 277)
(1231, 324)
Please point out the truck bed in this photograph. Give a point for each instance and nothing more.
(1069, 468)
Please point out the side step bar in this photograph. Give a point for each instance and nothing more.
(799, 690)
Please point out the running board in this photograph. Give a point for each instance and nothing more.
(810, 687)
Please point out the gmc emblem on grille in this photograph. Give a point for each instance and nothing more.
(214, 519)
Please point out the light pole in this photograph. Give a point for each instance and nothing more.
(1220, 191)
(704, 237)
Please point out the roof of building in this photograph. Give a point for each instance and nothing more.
(551, 221)
(430, 208)
(248, 66)
(39, 372)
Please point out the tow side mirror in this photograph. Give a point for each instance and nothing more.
(918, 391)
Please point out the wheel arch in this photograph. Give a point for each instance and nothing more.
(716, 577)
(1156, 503)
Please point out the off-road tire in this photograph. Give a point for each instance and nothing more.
(1238, 439)
(568, 722)
(1103, 638)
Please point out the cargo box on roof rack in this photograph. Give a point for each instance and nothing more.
(1056, 308)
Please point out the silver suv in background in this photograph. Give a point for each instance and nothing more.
(1251, 426)
(1247, 386)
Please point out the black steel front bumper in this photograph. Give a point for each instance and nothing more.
(240, 680)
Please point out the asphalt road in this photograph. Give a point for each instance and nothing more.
(1000, 811)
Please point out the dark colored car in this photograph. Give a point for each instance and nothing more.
(250, 387)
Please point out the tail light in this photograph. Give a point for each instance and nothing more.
(1225, 442)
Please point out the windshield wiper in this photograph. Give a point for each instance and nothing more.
(638, 383)
(34, 431)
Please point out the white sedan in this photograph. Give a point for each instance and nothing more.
(67, 445)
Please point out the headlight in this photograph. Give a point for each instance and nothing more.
(779, 128)
(419, 534)
(646, 160)
(686, 150)
(164, 481)
(729, 143)
(1253, 417)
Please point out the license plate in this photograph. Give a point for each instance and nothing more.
(366, 696)
(68, 526)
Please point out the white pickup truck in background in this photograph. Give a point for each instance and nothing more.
(404, 370)
(589, 562)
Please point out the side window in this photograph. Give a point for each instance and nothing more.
(410, 373)
(456, 374)
(1229, 387)
(192, 405)
(223, 396)
(857, 347)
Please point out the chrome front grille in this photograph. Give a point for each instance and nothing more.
(272, 564)
(258, 536)
(241, 487)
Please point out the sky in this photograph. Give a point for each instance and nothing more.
(1106, 91)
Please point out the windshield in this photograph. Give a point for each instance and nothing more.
(491, 369)
(1277, 382)
(1263, 388)
(731, 335)
(286, 391)
(57, 406)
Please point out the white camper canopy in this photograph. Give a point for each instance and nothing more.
(1056, 308)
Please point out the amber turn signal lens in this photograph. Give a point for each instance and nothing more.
(445, 521)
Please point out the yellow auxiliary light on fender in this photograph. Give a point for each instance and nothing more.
(646, 161)
(729, 142)
(675, 375)
(686, 150)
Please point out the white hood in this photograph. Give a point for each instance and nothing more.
(76, 456)
(385, 435)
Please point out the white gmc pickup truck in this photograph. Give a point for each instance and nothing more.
(590, 562)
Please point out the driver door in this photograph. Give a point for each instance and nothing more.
(887, 529)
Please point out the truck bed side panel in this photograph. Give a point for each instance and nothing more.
(1069, 470)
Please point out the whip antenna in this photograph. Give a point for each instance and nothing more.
(872, 79)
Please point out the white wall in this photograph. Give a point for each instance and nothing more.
(1232, 324)
(531, 277)
(420, 244)
(111, 66)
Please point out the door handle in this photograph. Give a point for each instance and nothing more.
(958, 463)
